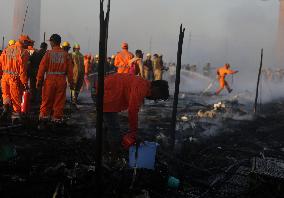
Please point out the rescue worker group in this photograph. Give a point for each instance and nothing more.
(44, 76)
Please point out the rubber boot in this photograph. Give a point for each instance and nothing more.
(74, 99)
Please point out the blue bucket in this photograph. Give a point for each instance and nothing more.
(146, 155)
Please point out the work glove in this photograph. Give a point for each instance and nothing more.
(128, 140)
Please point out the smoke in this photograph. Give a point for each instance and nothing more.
(244, 87)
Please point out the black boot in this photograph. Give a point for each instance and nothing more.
(43, 124)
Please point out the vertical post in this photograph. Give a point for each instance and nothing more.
(44, 34)
(3, 43)
(25, 19)
(100, 96)
(258, 79)
(150, 45)
(175, 103)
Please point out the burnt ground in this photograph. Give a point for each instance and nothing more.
(223, 156)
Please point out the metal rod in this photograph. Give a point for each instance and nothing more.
(175, 103)
(258, 80)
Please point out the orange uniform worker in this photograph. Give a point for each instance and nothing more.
(87, 65)
(13, 66)
(222, 72)
(122, 59)
(136, 64)
(56, 64)
(127, 92)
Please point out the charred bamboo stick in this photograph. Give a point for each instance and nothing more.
(25, 18)
(100, 96)
(177, 83)
(44, 34)
(3, 42)
(258, 80)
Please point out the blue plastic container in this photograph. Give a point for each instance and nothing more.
(146, 155)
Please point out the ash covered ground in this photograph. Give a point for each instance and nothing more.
(222, 150)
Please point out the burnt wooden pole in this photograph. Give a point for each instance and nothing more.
(23, 26)
(100, 96)
(175, 103)
(3, 42)
(44, 34)
(258, 80)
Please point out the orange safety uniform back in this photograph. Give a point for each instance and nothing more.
(13, 62)
(126, 91)
(13, 66)
(56, 64)
(122, 61)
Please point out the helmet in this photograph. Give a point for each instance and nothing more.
(66, 44)
(148, 55)
(76, 46)
(124, 45)
(12, 42)
(24, 38)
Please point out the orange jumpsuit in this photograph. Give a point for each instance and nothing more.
(122, 61)
(222, 73)
(126, 91)
(87, 64)
(56, 64)
(13, 66)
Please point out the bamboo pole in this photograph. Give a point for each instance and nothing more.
(258, 80)
(177, 83)
(23, 26)
(3, 42)
(100, 96)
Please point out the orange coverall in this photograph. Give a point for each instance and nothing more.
(126, 91)
(222, 73)
(122, 61)
(87, 64)
(56, 64)
(13, 66)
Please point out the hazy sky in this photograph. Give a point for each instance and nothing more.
(221, 30)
